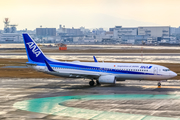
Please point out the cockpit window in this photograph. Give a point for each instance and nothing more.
(166, 70)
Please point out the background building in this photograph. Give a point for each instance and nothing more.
(11, 37)
(125, 35)
(119, 31)
(46, 31)
(70, 35)
(146, 35)
(162, 31)
(70, 31)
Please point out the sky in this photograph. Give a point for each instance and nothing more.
(32, 14)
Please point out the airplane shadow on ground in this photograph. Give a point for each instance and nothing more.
(123, 87)
(58, 85)
(59, 89)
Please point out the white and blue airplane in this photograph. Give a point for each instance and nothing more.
(101, 72)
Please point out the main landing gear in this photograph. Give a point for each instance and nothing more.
(91, 83)
(97, 83)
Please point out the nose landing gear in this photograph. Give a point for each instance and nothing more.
(159, 84)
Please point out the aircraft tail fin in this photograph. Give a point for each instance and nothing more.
(34, 53)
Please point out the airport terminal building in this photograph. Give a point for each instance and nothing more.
(162, 31)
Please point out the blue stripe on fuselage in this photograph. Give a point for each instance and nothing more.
(91, 68)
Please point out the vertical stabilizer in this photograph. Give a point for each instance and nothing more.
(34, 53)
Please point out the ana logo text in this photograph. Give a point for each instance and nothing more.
(146, 67)
(34, 48)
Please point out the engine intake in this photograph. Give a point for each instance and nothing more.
(107, 79)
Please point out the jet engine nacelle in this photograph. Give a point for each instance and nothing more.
(108, 79)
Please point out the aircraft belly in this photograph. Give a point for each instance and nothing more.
(157, 77)
(58, 74)
(130, 76)
(143, 77)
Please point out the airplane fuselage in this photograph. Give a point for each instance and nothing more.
(122, 71)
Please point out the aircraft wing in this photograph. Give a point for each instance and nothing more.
(26, 63)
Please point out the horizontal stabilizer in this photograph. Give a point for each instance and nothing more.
(26, 63)
(30, 64)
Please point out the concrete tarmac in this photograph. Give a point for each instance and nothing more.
(13, 90)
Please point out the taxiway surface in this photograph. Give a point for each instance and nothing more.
(162, 103)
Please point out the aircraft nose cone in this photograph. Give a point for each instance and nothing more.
(173, 74)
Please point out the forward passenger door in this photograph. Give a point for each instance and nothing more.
(155, 70)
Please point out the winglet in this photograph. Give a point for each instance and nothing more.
(49, 67)
(95, 60)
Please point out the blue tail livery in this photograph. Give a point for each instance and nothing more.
(34, 53)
